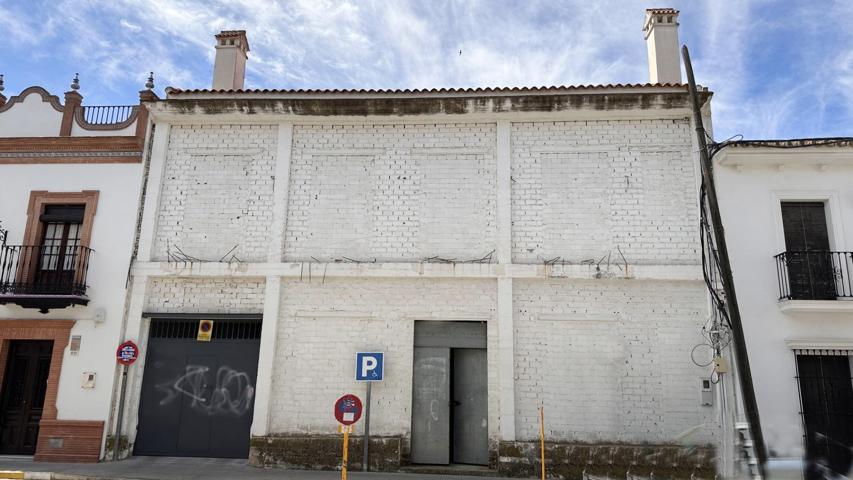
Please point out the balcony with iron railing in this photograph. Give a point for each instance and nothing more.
(809, 276)
(44, 276)
(105, 117)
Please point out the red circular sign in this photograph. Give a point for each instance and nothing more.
(127, 353)
(348, 409)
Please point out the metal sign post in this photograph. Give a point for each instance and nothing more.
(366, 442)
(347, 429)
(542, 439)
(126, 354)
(369, 367)
(117, 436)
(347, 411)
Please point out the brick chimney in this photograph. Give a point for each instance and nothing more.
(229, 68)
(661, 31)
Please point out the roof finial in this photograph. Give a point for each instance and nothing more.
(150, 83)
(75, 84)
(1, 83)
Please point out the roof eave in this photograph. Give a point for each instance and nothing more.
(334, 94)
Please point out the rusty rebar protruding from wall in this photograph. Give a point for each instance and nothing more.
(731, 304)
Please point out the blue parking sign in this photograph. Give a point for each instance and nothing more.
(369, 366)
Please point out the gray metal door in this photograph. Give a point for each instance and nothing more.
(198, 397)
(470, 406)
(430, 406)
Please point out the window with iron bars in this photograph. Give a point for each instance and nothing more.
(826, 408)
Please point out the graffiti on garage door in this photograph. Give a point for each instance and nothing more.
(231, 394)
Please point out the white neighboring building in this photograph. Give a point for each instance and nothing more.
(70, 179)
(787, 207)
(506, 249)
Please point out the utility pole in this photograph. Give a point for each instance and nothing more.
(741, 355)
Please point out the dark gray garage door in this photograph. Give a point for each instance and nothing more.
(198, 396)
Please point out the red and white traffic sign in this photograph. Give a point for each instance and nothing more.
(127, 353)
(348, 409)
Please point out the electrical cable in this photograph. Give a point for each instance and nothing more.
(693, 356)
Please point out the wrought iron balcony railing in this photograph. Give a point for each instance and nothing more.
(44, 276)
(814, 275)
(107, 114)
(105, 117)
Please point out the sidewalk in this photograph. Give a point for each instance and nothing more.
(157, 468)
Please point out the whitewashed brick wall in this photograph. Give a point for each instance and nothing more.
(204, 295)
(217, 191)
(582, 189)
(610, 360)
(323, 325)
(410, 192)
(392, 193)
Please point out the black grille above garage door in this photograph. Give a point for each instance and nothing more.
(222, 329)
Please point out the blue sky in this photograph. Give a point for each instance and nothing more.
(779, 68)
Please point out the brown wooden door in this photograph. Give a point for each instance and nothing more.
(810, 269)
(22, 399)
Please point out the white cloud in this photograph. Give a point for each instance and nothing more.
(133, 28)
(18, 28)
(415, 44)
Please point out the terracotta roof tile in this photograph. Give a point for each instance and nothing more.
(230, 33)
(793, 143)
(233, 34)
(171, 91)
(662, 11)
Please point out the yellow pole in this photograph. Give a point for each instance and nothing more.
(346, 447)
(542, 438)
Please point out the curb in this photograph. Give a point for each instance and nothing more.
(58, 476)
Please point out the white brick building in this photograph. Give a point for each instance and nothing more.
(560, 223)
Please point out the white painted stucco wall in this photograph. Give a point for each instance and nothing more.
(751, 184)
(78, 131)
(32, 117)
(112, 241)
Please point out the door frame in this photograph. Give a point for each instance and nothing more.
(57, 330)
(40, 198)
(80, 439)
(834, 219)
(438, 332)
